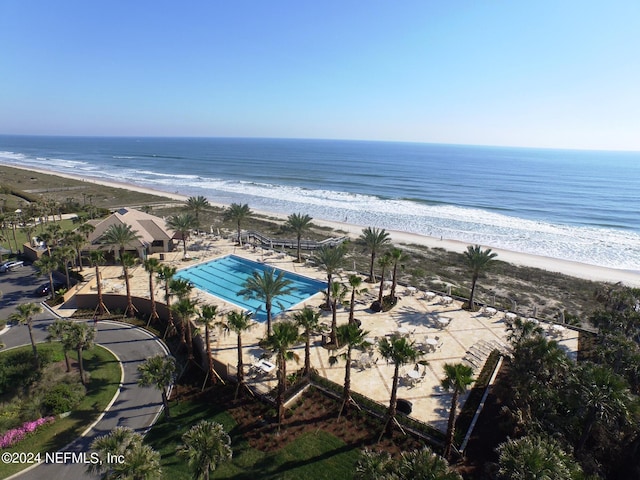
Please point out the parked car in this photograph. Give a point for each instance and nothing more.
(11, 265)
(45, 289)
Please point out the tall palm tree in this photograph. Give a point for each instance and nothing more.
(64, 255)
(24, 315)
(205, 446)
(206, 316)
(285, 335)
(352, 336)
(182, 288)
(237, 213)
(46, 266)
(337, 293)
(478, 261)
(330, 259)
(400, 351)
(266, 287)
(196, 205)
(186, 308)
(166, 274)
(128, 261)
(457, 378)
(309, 321)
(522, 329)
(139, 461)
(120, 236)
(374, 239)
(86, 229)
(77, 241)
(238, 322)
(183, 224)
(384, 262)
(151, 266)
(299, 223)
(158, 371)
(354, 282)
(535, 457)
(81, 337)
(47, 239)
(397, 256)
(97, 258)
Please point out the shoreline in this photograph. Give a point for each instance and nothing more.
(566, 267)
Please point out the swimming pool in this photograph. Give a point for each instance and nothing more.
(225, 278)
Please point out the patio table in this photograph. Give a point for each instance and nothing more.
(442, 321)
(265, 366)
(510, 316)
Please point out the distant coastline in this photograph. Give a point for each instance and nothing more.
(567, 267)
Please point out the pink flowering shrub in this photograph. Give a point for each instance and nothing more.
(13, 436)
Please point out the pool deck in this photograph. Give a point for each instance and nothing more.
(468, 336)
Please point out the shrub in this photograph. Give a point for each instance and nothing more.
(62, 398)
(14, 435)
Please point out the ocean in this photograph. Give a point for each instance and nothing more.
(582, 206)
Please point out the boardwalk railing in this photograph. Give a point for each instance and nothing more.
(258, 238)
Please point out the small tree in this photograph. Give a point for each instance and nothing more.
(159, 372)
(205, 446)
(238, 322)
(354, 282)
(374, 239)
(457, 378)
(151, 266)
(353, 337)
(165, 274)
(330, 259)
(237, 213)
(46, 266)
(24, 315)
(308, 320)
(477, 261)
(81, 337)
(206, 315)
(97, 259)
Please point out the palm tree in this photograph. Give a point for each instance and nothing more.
(285, 335)
(330, 259)
(205, 446)
(522, 330)
(120, 236)
(374, 239)
(158, 371)
(337, 293)
(535, 457)
(64, 255)
(354, 282)
(128, 261)
(308, 320)
(603, 395)
(196, 205)
(397, 257)
(237, 213)
(478, 261)
(47, 239)
(206, 315)
(186, 308)
(59, 330)
(352, 336)
(97, 258)
(266, 287)
(375, 465)
(299, 223)
(183, 224)
(24, 315)
(86, 229)
(384, 262)
(76, 241)
(457, 377)
(81, 337)
(151, 266)
(139, 461)
(400, 351)
(165, 274)
(46, 266)
(425, 465)
(238, 322)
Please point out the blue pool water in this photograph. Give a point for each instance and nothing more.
(225, 278)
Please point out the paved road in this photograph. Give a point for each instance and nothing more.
(135, 407)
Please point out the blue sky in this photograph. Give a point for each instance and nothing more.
(558, 73)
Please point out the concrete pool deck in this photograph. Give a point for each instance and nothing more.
(467, 335)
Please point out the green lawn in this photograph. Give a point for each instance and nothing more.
(105, 377)
(311, 456)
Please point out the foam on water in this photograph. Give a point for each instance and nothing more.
(609, 247)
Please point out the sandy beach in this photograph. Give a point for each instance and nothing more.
(575, 269)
